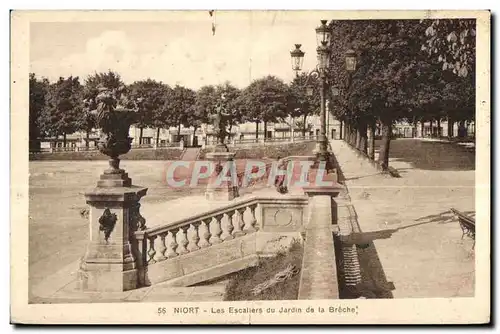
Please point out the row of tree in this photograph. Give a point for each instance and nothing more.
(410, 70)
(63, 107)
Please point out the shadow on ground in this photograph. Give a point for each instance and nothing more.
(432, 155)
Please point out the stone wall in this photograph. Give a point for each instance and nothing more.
(135, 154)
(268, 151)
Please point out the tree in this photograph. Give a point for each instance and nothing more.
(110, 80)
(38, 93)
(63, 107)
(451, 42)
(380, 89)
(151, 97)
(265, 100)
(179, 105)
(300, 104)
(205, 104)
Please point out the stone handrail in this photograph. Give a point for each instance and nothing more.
(203, 230)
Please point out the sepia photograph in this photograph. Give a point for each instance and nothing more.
(213, 167)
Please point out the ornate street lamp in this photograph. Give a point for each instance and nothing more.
(297, 58)
(350, 61)
(323, 57)
(323, 34)
(335, 91)
(310, 90)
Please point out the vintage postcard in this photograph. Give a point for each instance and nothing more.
(250, 167)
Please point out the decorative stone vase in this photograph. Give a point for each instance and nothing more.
(115, 141)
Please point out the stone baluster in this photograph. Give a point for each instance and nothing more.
(171, 244)
(250, 225)
(227, 228)
(239, 222)
(215, 230)
(151, 250)
(204, 233)
(193, 238)
(159, 246)
(182, 241)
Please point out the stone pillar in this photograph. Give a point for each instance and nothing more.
(319, 272)
(224, 165)
(110, 261)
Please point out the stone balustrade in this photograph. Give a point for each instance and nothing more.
(198, 232)
(219, 241)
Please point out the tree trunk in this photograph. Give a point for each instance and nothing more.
(140, 136)
(157, 137)
(256, 129)
(439, 128)
(383, 159)
(304, 127)
(265, 130)
(87, 138)
(461, 129)
(178, 130)
(64, 139)
(431, 127)
(194, 142)
(422, 123)
(450, 127)
(357, 143)
(414, 129)
(340, 133)
(371, 140)
(363, 128)
(353, 135)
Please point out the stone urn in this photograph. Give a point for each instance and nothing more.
(114, 120)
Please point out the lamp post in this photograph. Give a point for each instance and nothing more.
(323, 37)
(297, 59)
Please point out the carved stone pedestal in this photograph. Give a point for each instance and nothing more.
(223, 183)
(109, 263)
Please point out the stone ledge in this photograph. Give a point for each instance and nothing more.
(213, 272)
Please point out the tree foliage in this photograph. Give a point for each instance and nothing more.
(150, 97)
(180, 105)
(452, 43)
(300, 104)
(394, 79)
(63, 107)
(265, 99)
(38, 89)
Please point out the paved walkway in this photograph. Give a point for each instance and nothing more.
(63, 287)
(417, 239)
(190, 154)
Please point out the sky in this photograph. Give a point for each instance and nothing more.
(177, 47)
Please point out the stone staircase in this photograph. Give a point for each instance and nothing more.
(181, 258)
